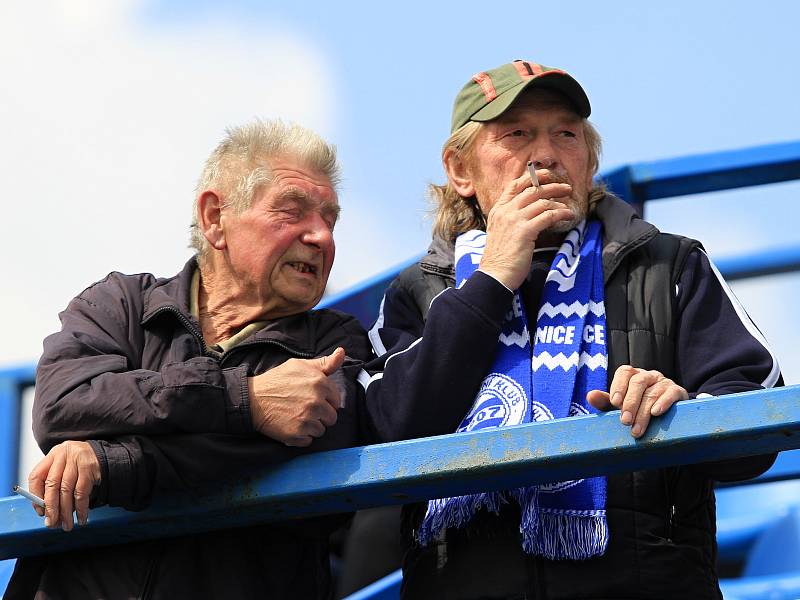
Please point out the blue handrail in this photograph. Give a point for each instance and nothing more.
(344, 480)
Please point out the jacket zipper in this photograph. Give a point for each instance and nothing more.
(281, 345)
(670, 516)
(186, 323)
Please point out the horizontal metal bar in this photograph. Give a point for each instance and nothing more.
(21, 375)
(386, 588)
(345, 480)
(765, 262)
(695, 174)
(786, 466)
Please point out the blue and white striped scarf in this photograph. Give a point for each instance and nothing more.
(569, 358)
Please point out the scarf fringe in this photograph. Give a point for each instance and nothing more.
(456, 512)
(566, 536)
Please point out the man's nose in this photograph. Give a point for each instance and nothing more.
(544, 162)
(317, 233)
(542, 154)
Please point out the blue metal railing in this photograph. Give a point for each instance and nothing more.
(345, 480)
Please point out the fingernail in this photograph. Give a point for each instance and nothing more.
(656, 410)
(615, 399)
(626, 418)
(636, 430)
(47, 521)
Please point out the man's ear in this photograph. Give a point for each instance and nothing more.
(209, 218)
(458, 174)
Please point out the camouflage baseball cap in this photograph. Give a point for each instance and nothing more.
(489, 93)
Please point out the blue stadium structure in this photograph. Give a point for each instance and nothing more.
(758, 521)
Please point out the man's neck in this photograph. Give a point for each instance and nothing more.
(223, 307)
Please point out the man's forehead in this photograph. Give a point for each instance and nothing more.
(324, 199)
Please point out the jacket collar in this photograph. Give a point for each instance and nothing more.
(440, 258)
(171, 297)
(623, 232)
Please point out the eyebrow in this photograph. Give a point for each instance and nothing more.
(295, 194)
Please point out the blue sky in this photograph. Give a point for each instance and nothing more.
(109, 108)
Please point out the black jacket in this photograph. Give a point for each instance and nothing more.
(129, 371)
(666, 310)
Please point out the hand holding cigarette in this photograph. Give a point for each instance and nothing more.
(64, 479)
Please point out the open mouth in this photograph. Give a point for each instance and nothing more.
(303, 267)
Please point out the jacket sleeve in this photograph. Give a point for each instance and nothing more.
(136, 468)
(427, 371)
(90, 383)
(720, 351)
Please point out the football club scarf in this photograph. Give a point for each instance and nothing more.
(539, 381)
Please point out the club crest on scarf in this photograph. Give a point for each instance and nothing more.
(539, 379)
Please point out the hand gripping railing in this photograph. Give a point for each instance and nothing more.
(344, 480)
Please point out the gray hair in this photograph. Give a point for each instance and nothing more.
(238, 168)
(453, 214)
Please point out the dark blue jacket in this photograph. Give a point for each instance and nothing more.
(666, 309)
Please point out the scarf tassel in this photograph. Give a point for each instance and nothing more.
(456, 512)
(564, 536)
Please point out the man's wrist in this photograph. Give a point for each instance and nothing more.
(495, 277)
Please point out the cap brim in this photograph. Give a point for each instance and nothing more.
(554, 80)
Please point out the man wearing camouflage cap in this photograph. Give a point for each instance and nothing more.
(544, 296)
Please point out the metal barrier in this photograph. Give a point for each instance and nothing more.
(345, 480)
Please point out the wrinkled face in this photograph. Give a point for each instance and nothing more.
(542, 128)
(281, 249)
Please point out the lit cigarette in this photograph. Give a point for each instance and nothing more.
(532, 172)
(32, 497)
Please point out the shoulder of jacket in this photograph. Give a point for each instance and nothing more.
(334, 327)
(116, 282)
(673, 250)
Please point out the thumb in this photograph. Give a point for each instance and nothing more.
(600, 400)
(333, 361)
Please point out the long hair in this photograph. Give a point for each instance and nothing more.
(238, 168)
(454, 214)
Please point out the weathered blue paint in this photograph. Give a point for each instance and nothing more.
(344, 480)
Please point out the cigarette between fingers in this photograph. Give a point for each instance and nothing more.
(26, 494)
(532, 172)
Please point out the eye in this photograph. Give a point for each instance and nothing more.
(293, 213)
(568, 133)
(518, 133)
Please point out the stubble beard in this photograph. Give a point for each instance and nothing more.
(579, 211)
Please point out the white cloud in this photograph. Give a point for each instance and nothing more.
(105, 124)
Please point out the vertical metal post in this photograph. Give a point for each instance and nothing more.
(9, 432)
